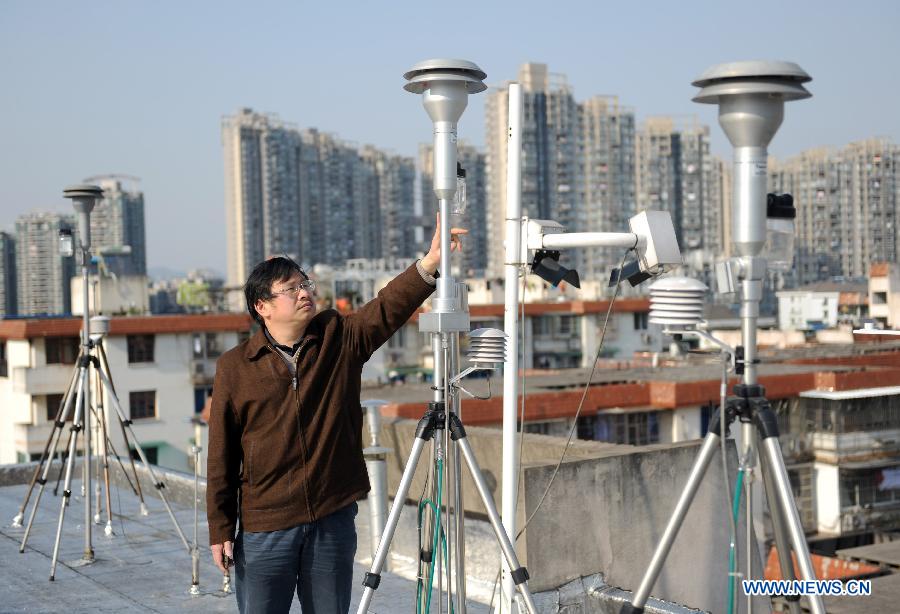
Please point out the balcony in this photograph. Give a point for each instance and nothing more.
(47, 379)
(857, 446)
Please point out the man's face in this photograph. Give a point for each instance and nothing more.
(290, 304)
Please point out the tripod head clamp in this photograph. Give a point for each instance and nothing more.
(750, 404)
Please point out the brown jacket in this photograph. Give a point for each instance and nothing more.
(288, 452)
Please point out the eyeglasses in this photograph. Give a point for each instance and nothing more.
(308, 285)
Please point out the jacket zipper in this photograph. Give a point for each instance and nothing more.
(295, 384)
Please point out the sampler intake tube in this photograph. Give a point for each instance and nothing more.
(445, 102)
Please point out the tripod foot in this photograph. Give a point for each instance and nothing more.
(97, 519)
(108, 531)
(195, 589)
(17, 521)
(144, 511)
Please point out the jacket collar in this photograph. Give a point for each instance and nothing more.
(259, 342)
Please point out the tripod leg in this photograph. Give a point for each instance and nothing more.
(104, 437)
(373, 577)
(519, 574)
(126, 425)
(427, 519)
(137, 482)
(77, 426)
(707, 451)
(98, 468)
(785, 500)
(62, 464)
(115, 454)
(62, 416)
(52, 443)
(782, 539)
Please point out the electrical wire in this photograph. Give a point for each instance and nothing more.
(587, 388)
(577, 412)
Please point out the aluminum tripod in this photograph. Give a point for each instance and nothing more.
(435, 419)
(87, 363)
(750, 406)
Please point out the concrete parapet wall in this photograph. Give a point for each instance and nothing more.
(605, 512)
(602, 518)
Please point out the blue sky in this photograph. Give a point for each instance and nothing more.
(88, 88)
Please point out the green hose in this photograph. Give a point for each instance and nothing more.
(735, 512)
(438, 534)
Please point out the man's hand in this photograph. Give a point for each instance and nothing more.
(433, 258)
(217, 550)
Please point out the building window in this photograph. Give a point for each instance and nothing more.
(4, 368)
(61, 350)
(565, 325)
(142, 404)
(635, 428)
(140, 348)
(152, 453)
(201, 394)
(53, 402)
(540, 325)
(207, 345)
(640, 320)
(540, 428)
(869, 487)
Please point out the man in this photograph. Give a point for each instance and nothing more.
(285, 436)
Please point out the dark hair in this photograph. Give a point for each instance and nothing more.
(264, 274)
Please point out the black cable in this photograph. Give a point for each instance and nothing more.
(577, 412)
(587, 387)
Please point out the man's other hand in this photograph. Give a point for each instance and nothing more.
(433, 258)
(217, 550)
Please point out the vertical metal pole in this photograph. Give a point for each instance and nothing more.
(376, 465)
(100, 446)
(86, 392)
(459, 509)
(749, 462)
(195, 549)
(513, 247)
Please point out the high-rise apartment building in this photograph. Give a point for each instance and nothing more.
(812, 179)
(262, 191)
(551, 164)
(311, 196)
(118, 233)
(607, 165)
(847, 208)
(387, 222)
(8, 302)
(473, 258)
(677, 173)
(43, 275)
(585, 165)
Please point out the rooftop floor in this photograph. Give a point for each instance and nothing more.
(886, 553)
(143, 568)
